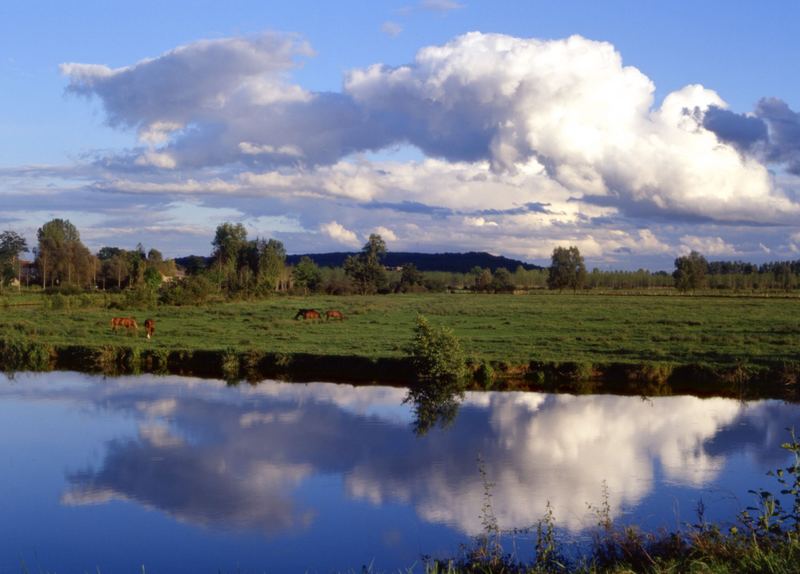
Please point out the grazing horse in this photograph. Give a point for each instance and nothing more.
(128, 323)
(307, 314)
(149, 327)
(334, 314)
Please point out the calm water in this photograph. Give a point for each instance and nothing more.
(188, 475)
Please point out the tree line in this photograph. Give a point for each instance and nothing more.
(239, 266)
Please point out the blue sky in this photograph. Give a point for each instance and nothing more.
(481, 127)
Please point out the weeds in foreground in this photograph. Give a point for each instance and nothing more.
(766, 539)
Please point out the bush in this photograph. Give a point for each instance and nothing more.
(484, 375)
(230, 365)
(59, 302)
(140, 298)
(435, 284)
(440, 369)
(66, 289)
(193, 290)
(436, 354)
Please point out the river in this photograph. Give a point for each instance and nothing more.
(180, 474)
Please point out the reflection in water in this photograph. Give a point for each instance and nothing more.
(238, 457)
(433, 403)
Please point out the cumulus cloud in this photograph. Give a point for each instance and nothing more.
(771, 131)
(572, 106)
(523, 140)
(386, 233)
(206, 75)
(338, 232)
(569, 107)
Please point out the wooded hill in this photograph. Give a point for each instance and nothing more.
(450, 262)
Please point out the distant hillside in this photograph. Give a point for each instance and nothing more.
(451, 262)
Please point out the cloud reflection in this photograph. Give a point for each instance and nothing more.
(239, 457)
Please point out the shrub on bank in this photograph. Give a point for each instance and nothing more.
(437, 355)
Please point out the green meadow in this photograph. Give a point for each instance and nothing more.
(505, 329)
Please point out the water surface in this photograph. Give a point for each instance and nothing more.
(191, 475)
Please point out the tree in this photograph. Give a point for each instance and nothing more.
(137, 263)
(271, 262)
(783, 275)
(194, 264)
(152, 278)
(106, 253)
(230, 240)
(11, 245)
(690, 272)
(307, 274)
(154, 257)
(410, 277)
(117, 267)
(61, 256)
(502, 282)
(566, 269)
(365, 269)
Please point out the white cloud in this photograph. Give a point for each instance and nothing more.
(385, 233)
(159, 132)
(156, 159)
(528, 144)
(339, 233)
(567, 108)
(255, 149)
(172, 88)
(392, 29)
(187, 187)
(479, 222)
(706, 245)
(574, 105)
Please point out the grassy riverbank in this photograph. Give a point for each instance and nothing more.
(560, 335)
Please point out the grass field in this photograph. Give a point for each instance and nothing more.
(512, 329)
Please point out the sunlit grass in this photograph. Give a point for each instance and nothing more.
(516, 329)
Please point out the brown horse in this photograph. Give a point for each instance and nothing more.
(307, 314)
(149, 327)
(128, 323)
(334, 314)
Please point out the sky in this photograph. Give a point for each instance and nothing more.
(637, 131)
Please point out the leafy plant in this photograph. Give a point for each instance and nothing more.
(771, 517)
(437, 356)
(440, 369)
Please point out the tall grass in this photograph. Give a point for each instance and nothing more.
(766, 539)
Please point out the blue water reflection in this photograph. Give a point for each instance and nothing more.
(188, 475)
